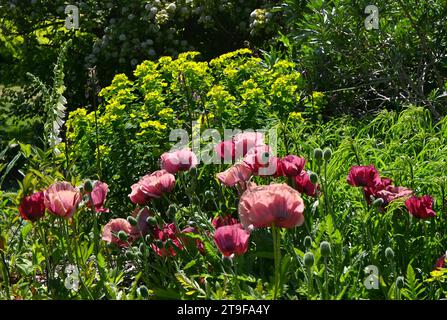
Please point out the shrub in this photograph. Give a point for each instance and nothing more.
(116, 35)
(363, 70)
(235, 90)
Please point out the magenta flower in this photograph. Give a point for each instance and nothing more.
(113, 227)
(226, 150)
(272, 205)
(292, 165)
(363, 176)
(421, 208)
(245, 141)
(98, 196)
(232, 239)
(62, 199)
(304, 185)
(32, 207)
(151, 186)
(223, 221)
(180, 160)
(168, 231)
(240, 172)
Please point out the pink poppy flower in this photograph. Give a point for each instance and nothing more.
(245, 141)
(363, 176)
(151, 186)
(98, 196)
(32, 207)
(180, 160)
(226, 150)
(292, 165)
(232, 240)
(220, 221)
(421, 208)
(304, 185)
(391, 193)
(240, 172)
(62, 199)
(262, 163)
(275, 204)
(113, 227)
(142, 227)
(169, 231)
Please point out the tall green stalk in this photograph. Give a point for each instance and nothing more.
(276, 234)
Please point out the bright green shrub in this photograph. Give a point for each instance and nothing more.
(235, 90)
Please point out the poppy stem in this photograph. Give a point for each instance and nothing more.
(277, 258)
(41, 233)
(6, 276)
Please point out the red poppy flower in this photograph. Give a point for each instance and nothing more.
(32, 207)
(420, 207)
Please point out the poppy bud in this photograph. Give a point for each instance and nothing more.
(142, 248)
(129, 254)
(143, 292)
(209, 194)
(389, 253)
(325, 248)
(148, 238)
(313, 177)
(307, 242)
(400, 282)
(193, 171)
(192, 223)
(195, 200)
(318, 154)
(172, 210)
(88, 186)
(309, 259)
(122, 235)
(159, 243)
(378, 203)
(327, 154)
(132, 220)
(151, 220)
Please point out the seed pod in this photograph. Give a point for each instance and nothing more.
(378, 203)
(122, 235)
(313, 177)
(318, 154)
(307, 242)
(389, 253)
(209, 194)
(132, 220)
(400, 282)
(327, 154)
(143, 292)
(151, 220)
(325, 248)
(172, 210)
(129, 255)
(309, 259)
(88, 185)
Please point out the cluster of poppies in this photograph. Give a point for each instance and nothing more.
(256, 159)
(123, 232)
(62, 199)
(274, 205)
(381, 191)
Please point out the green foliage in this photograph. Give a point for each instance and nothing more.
(363, 70)
(116, 35)
(235, 90)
